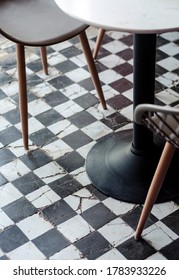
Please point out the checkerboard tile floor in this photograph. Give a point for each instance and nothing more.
(48, 207)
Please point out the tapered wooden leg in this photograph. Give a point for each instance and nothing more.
(92, 67)
(43, 52)
(98, 42)
(22, 93)
(155, 186)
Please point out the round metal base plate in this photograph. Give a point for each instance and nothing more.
(119, 173)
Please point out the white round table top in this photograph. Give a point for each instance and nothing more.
(135, 16)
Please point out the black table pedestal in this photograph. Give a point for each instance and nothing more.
(118, 172)
(122, 165)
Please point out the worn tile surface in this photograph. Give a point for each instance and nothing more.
(48, 207)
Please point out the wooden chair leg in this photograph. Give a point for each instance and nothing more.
(43, 52)
(98, 42)
(155, 186)
(92, 67)
(22, 92)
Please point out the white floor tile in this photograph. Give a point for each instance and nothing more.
(50, 172)
(79, 226)
(5, 221)
(157, 237)
(43, 197)
(78, 75)
(156, 256)
(27, 251)
(37, 107)
(111, 60)
(73, 91)
(34, 226)
(69, 253)
(113, 254)
(118, 207)
(81, 200)
(81, 176)
(57, 149)
(8, 194)
(109, 76)
(6, 105)
(68, 108)
(161, 210)
(14, 170)
(62, 128)
(96, 130)
(169, 63)
(4, 123)
(116, 231)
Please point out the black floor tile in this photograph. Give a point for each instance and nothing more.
(19, 209)
(58, 212)
(33, 80)
(126, 54)
(42, 137)
(136, 250)
(28, 183)
(13, 116)
(55, 98)
(115, 121)
(71, 51)
(128, 40)
(49, 117)
(119, 102)
(6, 156)
(87, 84)
(172, 221)
(77, 139)
(35, 66)
(124, 69)
(171, 251)
(12, 238)
(96, 193)
(102, 216)
(10, 135)
(82, 119)
(87, 100)
(65, 186)
(2, 180)
(132, 218)
(50, 242)
(122, 85)
(66, 66)
(93, 246)
(61, 82)
(35, 159)
(71, 161)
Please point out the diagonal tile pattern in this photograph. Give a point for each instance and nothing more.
(48, 207)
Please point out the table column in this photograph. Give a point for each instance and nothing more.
(144, 85)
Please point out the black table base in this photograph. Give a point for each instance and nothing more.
(122, 165)
(115, 169)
